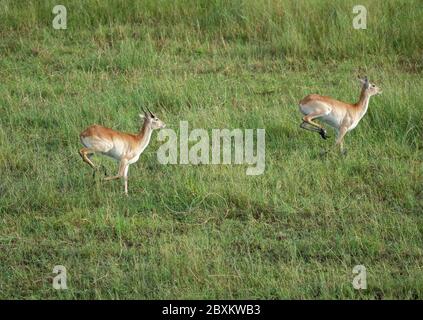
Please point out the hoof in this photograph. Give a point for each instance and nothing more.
(344, 152)
(323, 133)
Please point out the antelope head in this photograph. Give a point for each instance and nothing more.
(152, 119)
(370, 88)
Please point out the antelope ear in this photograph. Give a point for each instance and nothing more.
(142, 116)
(366, 82)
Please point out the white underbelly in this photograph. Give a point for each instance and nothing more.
(113, 153)
(134, 159)
(137, 155)
(353, 125)
(331, 120)
(117, 151)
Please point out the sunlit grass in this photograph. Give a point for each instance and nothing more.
(210, 231)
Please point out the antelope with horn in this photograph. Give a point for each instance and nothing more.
(342, 116)
(124, 147)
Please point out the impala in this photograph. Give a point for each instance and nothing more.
(124, 147)
(342, 116)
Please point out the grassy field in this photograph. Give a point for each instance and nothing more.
(210, 231)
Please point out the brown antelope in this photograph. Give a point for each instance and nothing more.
(342, 116)
(124, 147)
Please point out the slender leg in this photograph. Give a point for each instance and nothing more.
(309, 124)
(340, 138)
(322, 131)
(122, 166)
(125, 177)
(309, 127)
(309, 118)
(84, 153)
(112, 178)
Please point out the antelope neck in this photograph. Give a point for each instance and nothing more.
(363, 103)
(145, 133)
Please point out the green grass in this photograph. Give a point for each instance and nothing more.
(210, 232)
